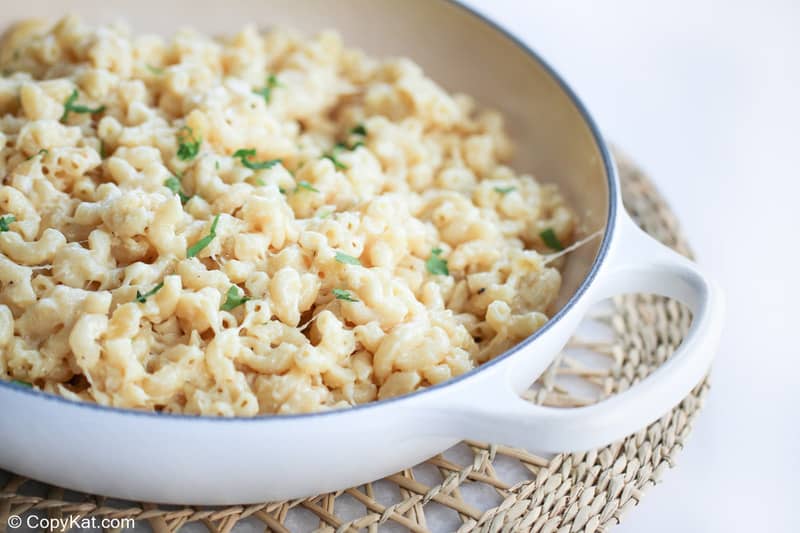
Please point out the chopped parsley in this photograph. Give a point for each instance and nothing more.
(347, 259)
(436, 265)
(197, 247)
(332, 157)
(142, 298)
(154, 70)
(188, 144)
(22, 383)
(340, 146)
(266, 91)
(234, 298)
(102, 149)
(504, 190)
(71, 107)
(174, 184)
(326, 213)
(41, 152)
(5, 221)
(307, 186)
(244, 155)
(551, 240)
(342, 294)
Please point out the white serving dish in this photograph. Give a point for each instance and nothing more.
(196, 460)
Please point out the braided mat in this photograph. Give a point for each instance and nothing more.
(477, 486)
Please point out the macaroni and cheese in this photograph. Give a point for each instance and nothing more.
(261, 223)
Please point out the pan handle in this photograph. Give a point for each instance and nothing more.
(638, 264)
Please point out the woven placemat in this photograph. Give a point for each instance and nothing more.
(583, 492)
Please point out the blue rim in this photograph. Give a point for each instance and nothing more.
(611, 174)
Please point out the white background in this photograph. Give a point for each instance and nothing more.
(704, 94)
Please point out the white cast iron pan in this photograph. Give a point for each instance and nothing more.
(193, 460)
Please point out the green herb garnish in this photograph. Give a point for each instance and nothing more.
(71, 107)
(342, 294)
(347, 259)
(197, 247)
(326, 213)
(174, 184)
(266, 92)
(245, 154)
(436, 265)
(22, 383)
(154, 70)
(281, 190)
(142, 298)
(234, 298)
(5, 221)
(188, 145)
(551, 240)
(41, 152)
(359, 129)
(340, 146)
(333, 159)
(333, 155)
(102, 149)
(307, 186)
(504, 190)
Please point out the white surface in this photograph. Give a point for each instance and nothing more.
(705, 95)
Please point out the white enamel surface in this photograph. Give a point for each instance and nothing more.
(211, 461)
(202, 461)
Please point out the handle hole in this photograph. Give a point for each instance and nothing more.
(619, 343)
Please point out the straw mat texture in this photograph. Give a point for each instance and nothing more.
(584, 492)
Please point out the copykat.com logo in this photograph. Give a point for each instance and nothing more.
(66, 523)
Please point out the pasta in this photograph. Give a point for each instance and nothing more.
(255, 224)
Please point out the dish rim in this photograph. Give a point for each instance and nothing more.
(612, 180)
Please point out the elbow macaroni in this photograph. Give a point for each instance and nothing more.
(325, 253)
